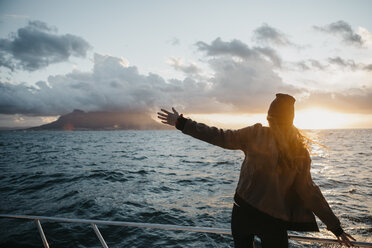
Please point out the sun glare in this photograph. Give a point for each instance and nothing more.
(314, 118)
(317, 118)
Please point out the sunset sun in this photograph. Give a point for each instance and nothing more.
(319, 118)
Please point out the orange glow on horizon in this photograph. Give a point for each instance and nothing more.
(313, 118)
(318, 118)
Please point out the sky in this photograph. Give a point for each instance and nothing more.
(220, 62)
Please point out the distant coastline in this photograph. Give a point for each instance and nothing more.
(79, 120)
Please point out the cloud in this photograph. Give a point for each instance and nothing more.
(344, 63)
(368, 67)
(178, 65)
(270, 54)
(237, 84)
(22, 121)
(366, 36)
(219, 47)
(238, 49)
(310, 64)
(349, 63)
(267, 34)
(113, 85)
(174, 41)
(247, 86)
(343, 29)
(352, 101)
(37, 45)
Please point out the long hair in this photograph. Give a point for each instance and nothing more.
(291, 145)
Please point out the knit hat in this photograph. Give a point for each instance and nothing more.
(282, 109)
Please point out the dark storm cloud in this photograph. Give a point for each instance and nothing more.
(37, 45)
(344, 30)
(268, 34)
(238, 49)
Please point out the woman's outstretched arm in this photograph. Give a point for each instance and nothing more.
(229, 139)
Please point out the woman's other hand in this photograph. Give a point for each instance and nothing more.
(344, 239)
(168, 117)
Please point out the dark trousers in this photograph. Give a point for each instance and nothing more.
(247, 222)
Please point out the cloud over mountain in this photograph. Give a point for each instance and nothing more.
(37, 45)
(111, 85)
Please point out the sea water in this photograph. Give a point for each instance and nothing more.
(161, 177)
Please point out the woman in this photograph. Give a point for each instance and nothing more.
(275, 192)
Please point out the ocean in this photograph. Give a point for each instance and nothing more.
(157, 177)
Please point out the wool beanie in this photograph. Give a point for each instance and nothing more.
(282, 109)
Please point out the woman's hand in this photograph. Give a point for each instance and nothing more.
(344, 239)
(168, 117)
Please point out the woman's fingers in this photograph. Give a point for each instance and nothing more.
(174, 111)
(166, 111)
(161, 114)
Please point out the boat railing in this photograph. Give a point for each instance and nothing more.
(94, 224)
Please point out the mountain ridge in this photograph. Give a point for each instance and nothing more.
(101, 120)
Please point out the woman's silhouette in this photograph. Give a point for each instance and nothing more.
(275, 192)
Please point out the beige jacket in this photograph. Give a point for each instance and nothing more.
(291, 196)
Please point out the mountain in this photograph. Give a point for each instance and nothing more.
(101, 120)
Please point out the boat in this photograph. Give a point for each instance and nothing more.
(94, 224)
